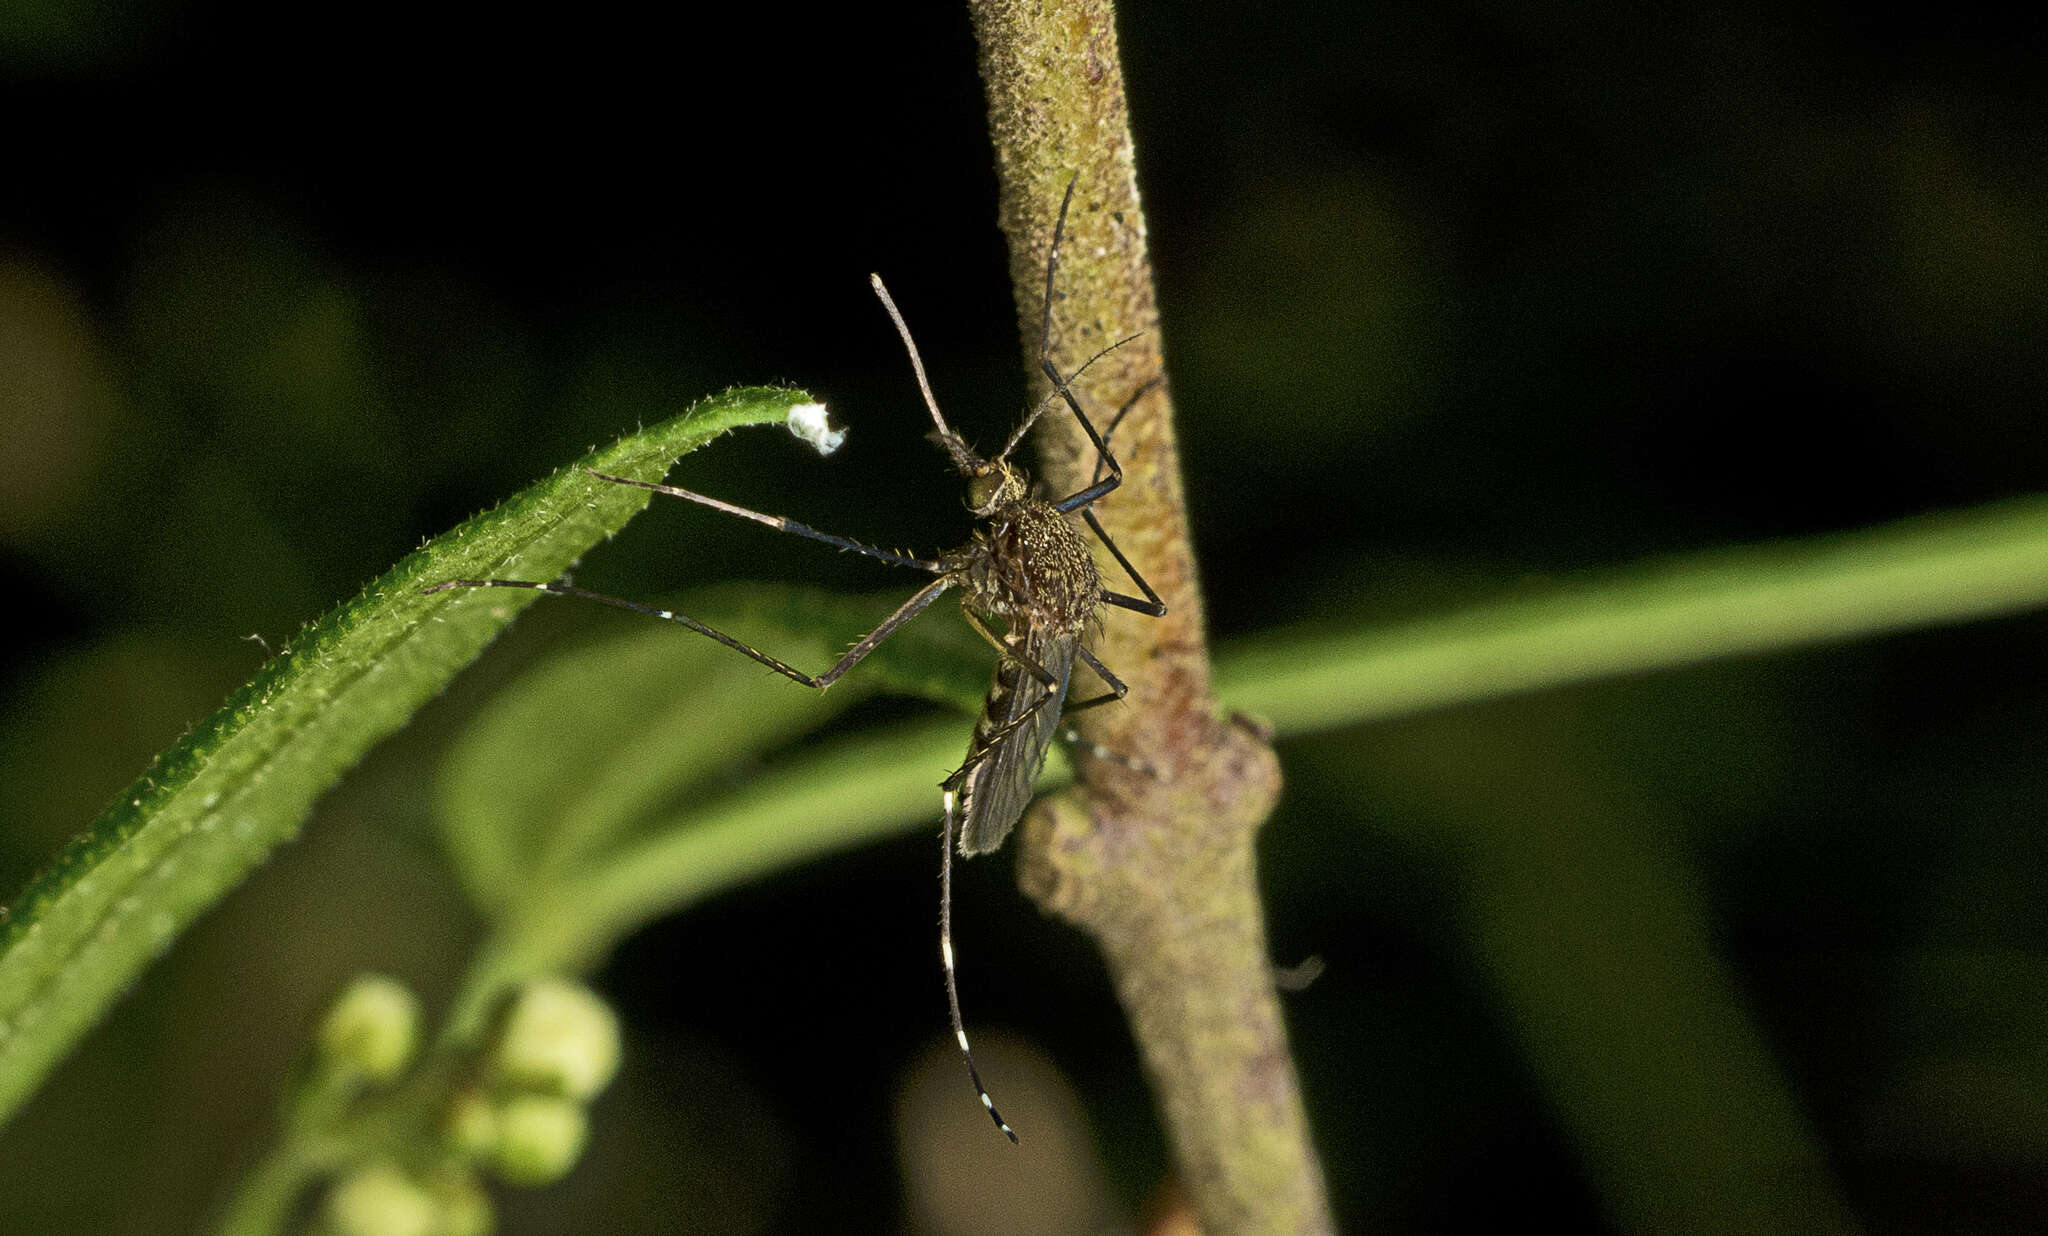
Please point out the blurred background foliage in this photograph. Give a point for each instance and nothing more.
(1458, 300)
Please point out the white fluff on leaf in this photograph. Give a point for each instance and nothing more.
(807, 421)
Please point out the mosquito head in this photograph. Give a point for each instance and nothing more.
(994, 484)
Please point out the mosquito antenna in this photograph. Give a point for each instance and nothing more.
(1054, 393)
(952, 983)
(963, 459)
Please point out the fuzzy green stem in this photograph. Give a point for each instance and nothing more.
(266, 1197)
(307, 1150)
(1158, 869)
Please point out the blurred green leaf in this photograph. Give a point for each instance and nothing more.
(618, 780)
(831, 798)
(1983, 1107)
(1953, 567)
(612, 792)
(1592, 929)
(597, 744)
(241, 782)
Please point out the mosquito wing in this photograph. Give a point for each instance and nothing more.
(1016, 726)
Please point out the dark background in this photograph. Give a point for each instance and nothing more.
(1455, 298)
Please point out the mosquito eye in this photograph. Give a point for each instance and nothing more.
(981, 490)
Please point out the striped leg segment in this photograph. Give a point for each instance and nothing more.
(1096, 751)
(946, 956)
(916, 605)
(776, 522)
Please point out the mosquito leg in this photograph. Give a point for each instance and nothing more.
(1096, 751)
(1117, 689)
(1060, 384)
(904, 613)
(951, 801)
(994, 741)
(1153, 384)
(778, 523)
(1142, 606)
(1097, 486)
(981, 628)
(1104, 458)
(1151, 605)
(1007, 645)
(1075, 501)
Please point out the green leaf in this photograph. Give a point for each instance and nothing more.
(681, 802)
(619, 782)
(841, 795)
(1588, 926)
(1956, 566)
(595, 747)
(242, 781)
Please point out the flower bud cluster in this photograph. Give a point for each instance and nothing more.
(556, 1046)
(519, 1115)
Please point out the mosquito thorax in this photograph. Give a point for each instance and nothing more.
(1031, 566)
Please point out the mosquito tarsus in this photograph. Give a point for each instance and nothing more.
(1029, 587)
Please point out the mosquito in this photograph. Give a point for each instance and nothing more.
(1029, 586)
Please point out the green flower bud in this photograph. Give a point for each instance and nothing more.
(380, 1200)
(470, 1125)
(540, 1139)
(373, 1029)
(557, 1038)
(465, 1208)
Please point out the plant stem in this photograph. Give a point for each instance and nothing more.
(306, 1149)
(264, 1198)
(1159, 869)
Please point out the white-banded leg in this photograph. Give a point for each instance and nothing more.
(984, 750)
(1095, 750)
(916, 605)
(776, 522)
(951, 800)
(909, 609)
